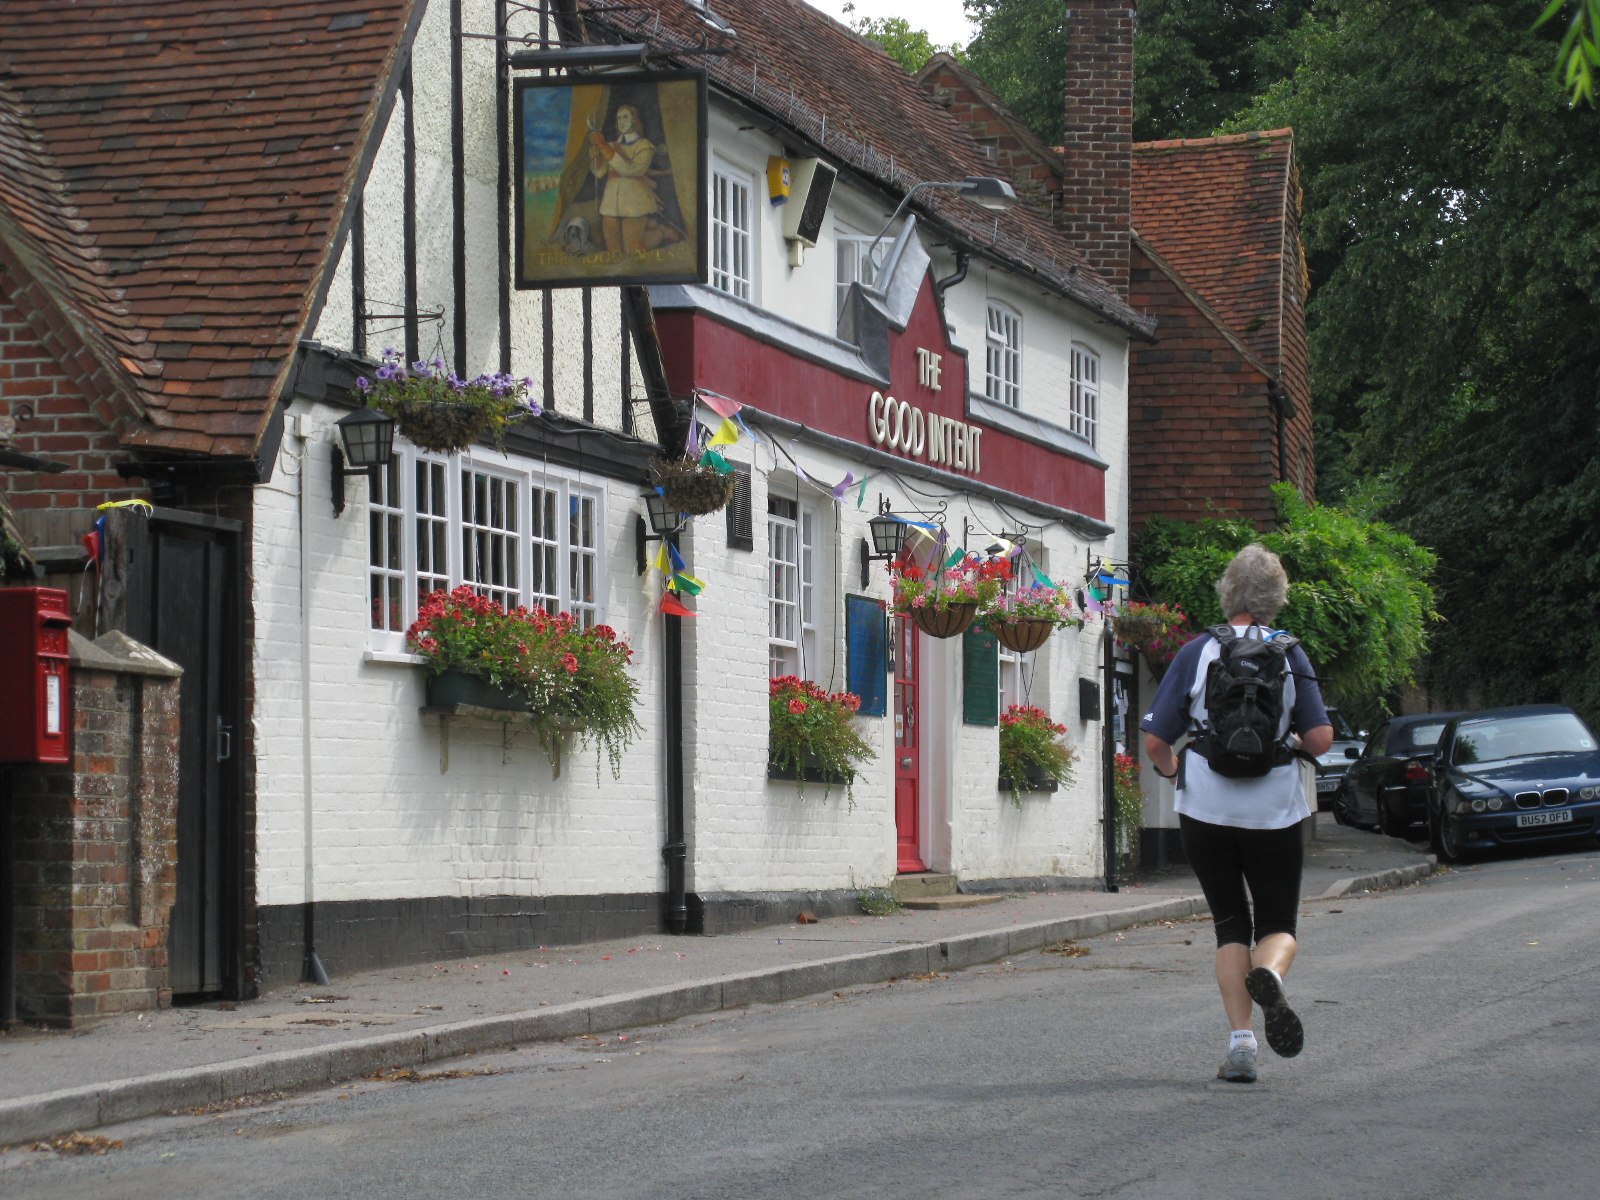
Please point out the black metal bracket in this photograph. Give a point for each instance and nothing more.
(340, 473)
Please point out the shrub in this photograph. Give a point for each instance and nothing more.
(1028, 748)
(1359, 596)
(878, 902)
(572, 677)
(810, 727)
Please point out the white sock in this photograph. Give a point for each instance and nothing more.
(1241, 1037)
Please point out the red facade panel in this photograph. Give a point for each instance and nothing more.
(703, 352)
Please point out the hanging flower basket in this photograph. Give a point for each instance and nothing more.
(1157, 631)
(693, 487)
(442, 426)
(950, 621)
(943, 601)
(1023, 636)
(440, 412)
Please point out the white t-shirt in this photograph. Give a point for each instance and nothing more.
(1273, 801)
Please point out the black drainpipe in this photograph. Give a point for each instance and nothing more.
(940, 286)
(1284, 407)
(1108, 755)
(675, 852)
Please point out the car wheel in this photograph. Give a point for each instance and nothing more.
(1389, 825)
(1450, 848)
(1341, 810)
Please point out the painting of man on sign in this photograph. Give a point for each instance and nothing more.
(610, 175)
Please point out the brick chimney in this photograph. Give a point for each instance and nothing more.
(1096, 196)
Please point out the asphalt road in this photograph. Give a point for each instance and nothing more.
(1453, 1050)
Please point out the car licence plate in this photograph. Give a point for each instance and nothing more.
(1328, 785)
(1559, 817)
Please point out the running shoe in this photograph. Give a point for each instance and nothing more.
(1285, 1034)
(1239, 1066)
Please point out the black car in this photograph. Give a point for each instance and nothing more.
(1510, 776)
(1386, 788)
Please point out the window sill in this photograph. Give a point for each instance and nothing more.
(397, 657)
(1031, 429)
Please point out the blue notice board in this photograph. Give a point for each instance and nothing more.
(867, 652)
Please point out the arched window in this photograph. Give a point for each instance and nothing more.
(1002, 375)
(1084, 401)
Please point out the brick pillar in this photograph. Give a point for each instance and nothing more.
(1096, 195)
(96, 845)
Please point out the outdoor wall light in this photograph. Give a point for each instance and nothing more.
(889, 535)
(368, 440)
(665, 522)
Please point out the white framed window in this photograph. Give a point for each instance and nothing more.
(732, 224)
(791, 590)
(521, 536)
(1084, 401)
(386, 550)
(852, 265)
(1011, 689)
(491, 545)
(1002, 369)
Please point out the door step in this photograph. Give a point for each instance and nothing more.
(940, 903)
(920, 884)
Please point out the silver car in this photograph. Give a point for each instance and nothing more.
(1347, 746)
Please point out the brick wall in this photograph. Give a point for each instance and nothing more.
(53, 419)
(1031, 167)
(96, 855)
(1097, 192)
(1203, 434)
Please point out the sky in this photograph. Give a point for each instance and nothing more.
(945, 20)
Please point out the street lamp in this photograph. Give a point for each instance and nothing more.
(983, 190)
(368, 440)
(889, 535)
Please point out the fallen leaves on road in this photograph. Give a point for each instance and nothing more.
(255, 1100)
(79, 1143)
(321, 999)
(412, 1075)
(1066, 948)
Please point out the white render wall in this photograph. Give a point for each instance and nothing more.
(386, 822)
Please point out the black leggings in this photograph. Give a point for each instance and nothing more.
(1225, 859)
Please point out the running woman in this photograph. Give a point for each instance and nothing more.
(1241, 833)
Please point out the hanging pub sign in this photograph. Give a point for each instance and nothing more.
(609, 175)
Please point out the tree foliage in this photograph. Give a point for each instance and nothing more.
(1453, 216)
(1196, 62)
(909, 47)
(1359, 596)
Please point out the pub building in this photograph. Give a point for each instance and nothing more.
(893, 329)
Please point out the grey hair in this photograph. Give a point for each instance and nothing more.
(1254, 583)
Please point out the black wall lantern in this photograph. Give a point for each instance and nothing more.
(889, 535)
(665, 522)
(367, 437)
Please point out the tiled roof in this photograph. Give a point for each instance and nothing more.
(173, 173)
(845, 94)
(1215, 209)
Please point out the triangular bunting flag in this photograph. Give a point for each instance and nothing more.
(843, 485)
(661, 563)
(672, 606)
(723, 406)
(691, 444)
(677, 559)
(1041, 578)
(727, 434)
(687, 583)
(716, 462)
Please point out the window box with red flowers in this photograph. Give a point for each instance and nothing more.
(1032, 758)
(813, 737)
(567, 678)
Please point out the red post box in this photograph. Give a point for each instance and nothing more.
(35, 708)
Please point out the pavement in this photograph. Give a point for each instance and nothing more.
(57, 1081)
(1450, 1034)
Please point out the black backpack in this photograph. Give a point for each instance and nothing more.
(1244, 705)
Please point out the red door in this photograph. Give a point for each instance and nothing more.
(907, 736)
